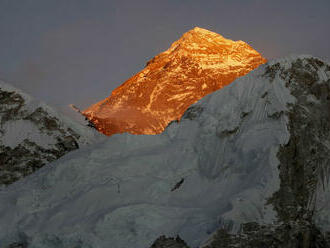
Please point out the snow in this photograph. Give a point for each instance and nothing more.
(15, 132)
(117, 193)
(180, 96)
(10, 88)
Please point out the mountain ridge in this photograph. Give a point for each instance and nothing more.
(33, 134)
(253, 156)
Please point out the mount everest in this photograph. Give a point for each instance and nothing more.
(197, 64)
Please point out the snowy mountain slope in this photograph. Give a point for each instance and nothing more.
(32, 134)
(227, 162)
(302, 200)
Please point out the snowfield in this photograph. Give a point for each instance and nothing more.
(117, 193)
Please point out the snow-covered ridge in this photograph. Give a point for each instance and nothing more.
(216, 168)
(30, 104)
(32, 134)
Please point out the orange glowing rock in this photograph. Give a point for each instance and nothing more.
(199, 63)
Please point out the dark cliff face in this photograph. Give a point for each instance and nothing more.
(304, 164)
(164, 242)
(26, 156)
(304, 160)
(286, 235)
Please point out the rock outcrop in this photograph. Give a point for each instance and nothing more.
(32, 134)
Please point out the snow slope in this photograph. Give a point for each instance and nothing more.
(128, 190)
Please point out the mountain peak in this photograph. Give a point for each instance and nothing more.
(33, 134)
(204, 36)
(202, 31)
(210, 48)
(197, 64)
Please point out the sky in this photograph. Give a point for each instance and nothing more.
(78, 51)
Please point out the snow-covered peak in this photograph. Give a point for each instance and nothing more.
(204, 34)
(202, 31)
(32, 134)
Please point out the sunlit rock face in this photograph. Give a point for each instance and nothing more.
(199, 63)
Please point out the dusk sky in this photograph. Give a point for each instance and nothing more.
(78, 51)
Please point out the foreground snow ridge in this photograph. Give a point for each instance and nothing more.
(216, 168)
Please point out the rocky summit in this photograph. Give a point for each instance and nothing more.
(199, 63)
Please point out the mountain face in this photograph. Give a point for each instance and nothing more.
(199, 63)
(247, 166)
(32, 134)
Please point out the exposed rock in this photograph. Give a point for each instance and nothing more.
(305, 158)
(17, 245)
(163, 242)
(178, 184)
(31, 135)
(192, 112)
(252, 235)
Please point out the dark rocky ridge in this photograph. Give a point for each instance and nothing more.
(163, 242)
(28, 156)
(286, 235)
(305, 159)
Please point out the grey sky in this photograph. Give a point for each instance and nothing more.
(78, 51)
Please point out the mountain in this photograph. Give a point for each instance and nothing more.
(199, 63)
(33, 134)
(247, 166)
